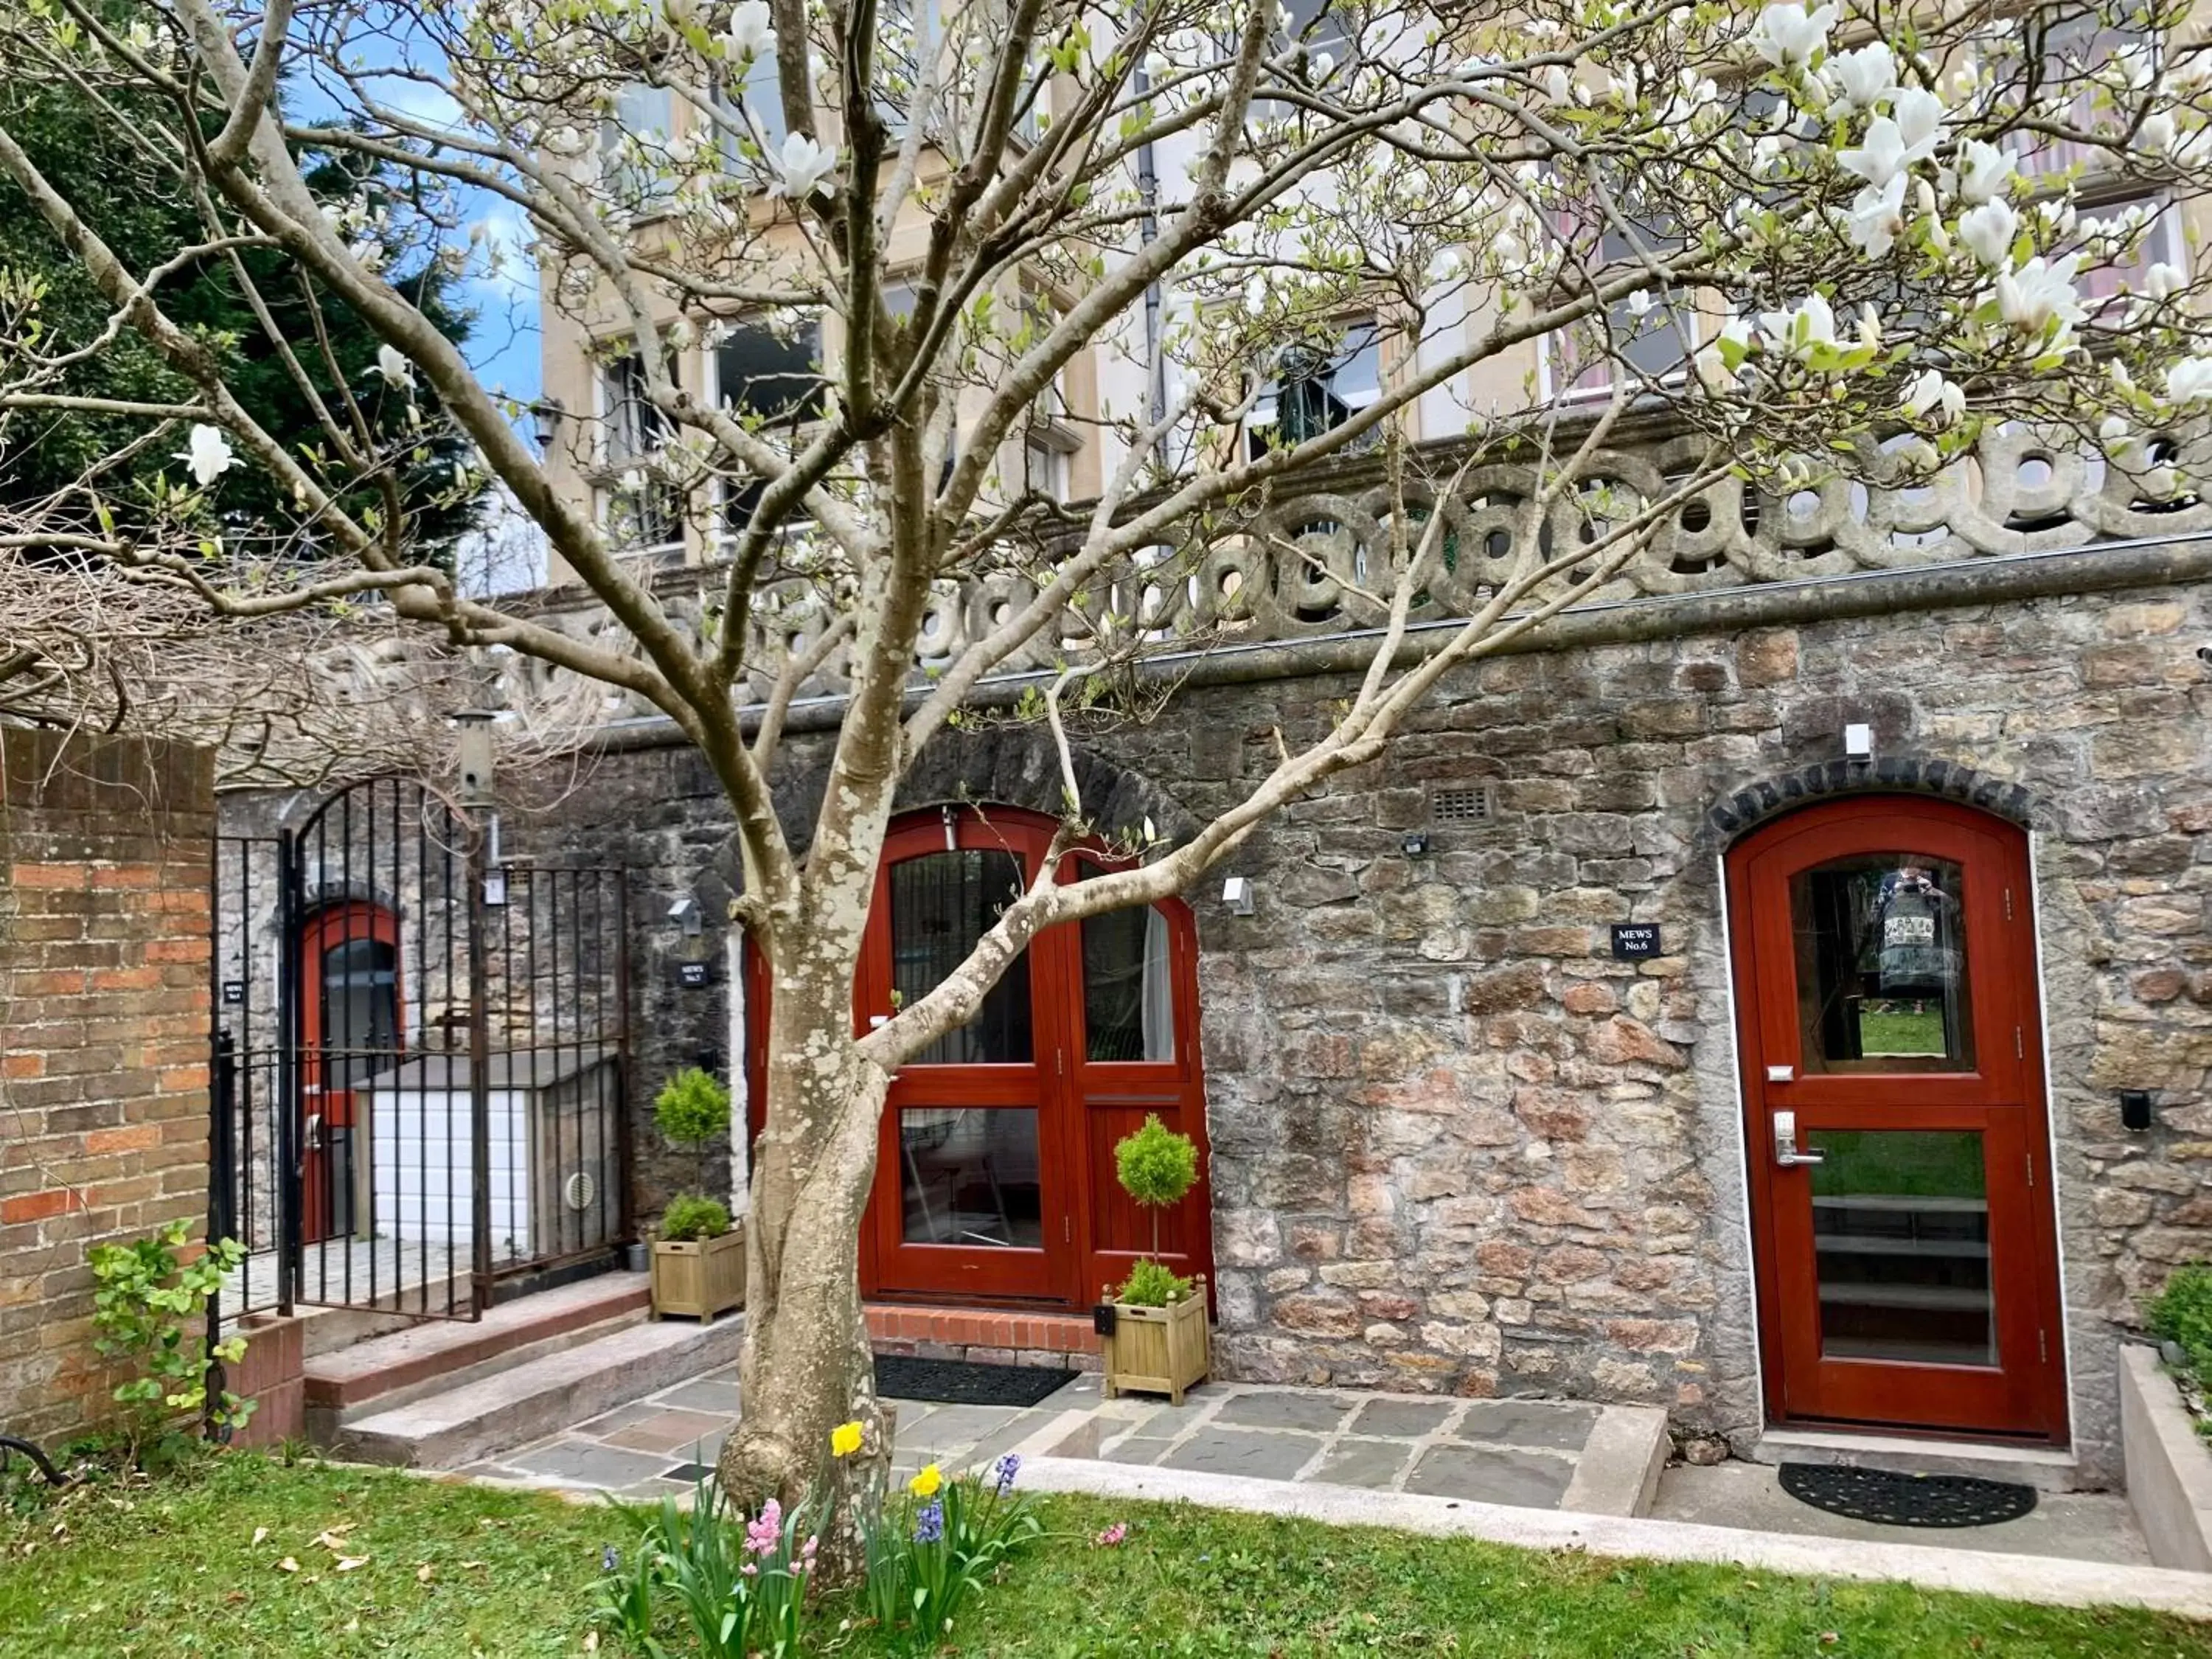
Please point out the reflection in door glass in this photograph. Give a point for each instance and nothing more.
(1881, 964)
(1128, 1005)
(969, 1175)
(1901, 1240)
(941, 904)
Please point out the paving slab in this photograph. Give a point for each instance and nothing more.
(703, 1396)
(672, 1431)
(1493, 1474)
(1259, 1453)
(2074, 1526)
(1270, 1409)
(1403, 1419)
(1379, 1464)
(1527, 1422)
(588, 1463)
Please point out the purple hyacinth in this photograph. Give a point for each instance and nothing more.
(609, 1560)
(1007, 1467)
(929, 1523)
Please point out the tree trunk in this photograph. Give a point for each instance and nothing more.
(806, 1365)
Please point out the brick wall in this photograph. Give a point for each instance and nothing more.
(104, 855)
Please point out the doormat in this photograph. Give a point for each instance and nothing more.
(964, 1382)
(1907, 1500)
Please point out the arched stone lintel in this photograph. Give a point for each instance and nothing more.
(1744, 809)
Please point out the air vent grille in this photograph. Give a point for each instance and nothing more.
(1473, 805)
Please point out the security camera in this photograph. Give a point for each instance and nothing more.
(686, 914)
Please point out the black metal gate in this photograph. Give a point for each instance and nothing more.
(421, 1059)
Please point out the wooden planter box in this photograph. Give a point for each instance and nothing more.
(700, 1277)
(1158, 1350)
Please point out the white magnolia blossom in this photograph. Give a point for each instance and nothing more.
(1877, 216)
(1983, 170)
(1712, 369)
(801, 167)
(1788, 33)
(392, 364)
(1887, 150)
(2157, 132)
(1932, 394)
(206, 454)
(1864, 77)
(2039, 293)
(2163, 281)
(752, 32)
(1988, 231)
(2190, 380)
(1812, 324)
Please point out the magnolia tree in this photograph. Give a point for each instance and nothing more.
(1852, 238)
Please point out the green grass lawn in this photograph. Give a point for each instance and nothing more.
(174, 1570)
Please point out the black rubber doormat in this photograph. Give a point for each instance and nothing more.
(1907, 1500)
(964, 1382)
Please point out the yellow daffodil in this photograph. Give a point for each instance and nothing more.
(845, 1439)
(925, 1484)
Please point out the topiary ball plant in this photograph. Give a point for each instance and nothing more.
(691, 1216)
(693, 1109)
(1156, 1167)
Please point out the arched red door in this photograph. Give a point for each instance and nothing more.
(994, 1178)
(350, 1030)
(1891, 1039)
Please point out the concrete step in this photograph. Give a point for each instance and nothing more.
(392, 1369)
(2044, 1467)
(524, 1402)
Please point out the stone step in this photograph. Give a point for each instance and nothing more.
(2044, 1467)
(392, 1370)
(527, 1401)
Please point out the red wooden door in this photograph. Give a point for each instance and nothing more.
(994, 1176)
(1893, 1078)
(349, 1012)
(972, 1191)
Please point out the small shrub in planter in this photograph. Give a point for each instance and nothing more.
(698, 1257)
(698, 1260)
(2181, 1315)
(1153, 1327)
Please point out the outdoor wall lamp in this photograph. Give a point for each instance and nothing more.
(545, 418)
(474, 744)
(686, 914)
(1236, 894)
(1858, 743)
(1415, 844)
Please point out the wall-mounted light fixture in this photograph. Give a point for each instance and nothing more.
(1858, 743)
(1236, 894)
(1415, 843)
(685, 914)
(473, 743)
(545, 418)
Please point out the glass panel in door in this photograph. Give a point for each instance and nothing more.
(970, 1175)
(941, 904)
(1882, 980)
(1901, 1247)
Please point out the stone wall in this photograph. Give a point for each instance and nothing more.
(103, 1088)
(1456, 1146)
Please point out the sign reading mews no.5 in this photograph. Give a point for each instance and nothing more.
(1632, 941)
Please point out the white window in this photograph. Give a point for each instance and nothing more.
(2070, 51)
(772, 379)
(1646, 333)
(634, 144)
(760, 125)
(905, 42)
(636, 427)
(1316, 388)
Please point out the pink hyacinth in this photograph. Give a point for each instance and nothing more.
(1113, 1535)
(762, 1536)
(807, 1553)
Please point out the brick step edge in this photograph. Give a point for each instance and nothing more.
(985, 1336)
(343, 1384)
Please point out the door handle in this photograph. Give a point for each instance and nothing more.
(1786, 1152)
(312, 1139)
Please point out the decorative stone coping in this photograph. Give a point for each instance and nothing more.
(1303, 578)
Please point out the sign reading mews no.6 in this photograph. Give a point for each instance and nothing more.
(1632, 941)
